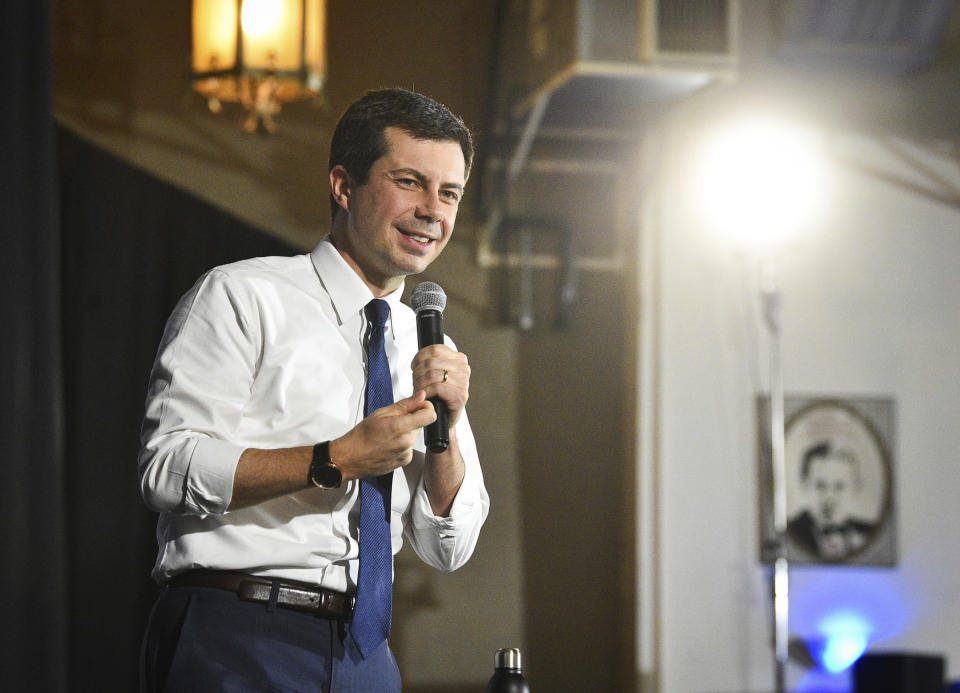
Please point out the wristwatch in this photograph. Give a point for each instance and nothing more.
(323, 472)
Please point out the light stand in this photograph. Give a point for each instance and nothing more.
(760, 181)
(770, 298)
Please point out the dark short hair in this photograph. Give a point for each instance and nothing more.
(825, 449)
(359, 139)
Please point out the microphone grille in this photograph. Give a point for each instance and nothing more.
(428, 296)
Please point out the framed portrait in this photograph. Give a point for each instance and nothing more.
(841, 508)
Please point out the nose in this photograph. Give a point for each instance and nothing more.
(429, 207)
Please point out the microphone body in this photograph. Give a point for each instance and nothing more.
(428, 301)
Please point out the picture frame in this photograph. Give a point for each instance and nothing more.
(840, 474)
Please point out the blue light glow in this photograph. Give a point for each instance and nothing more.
(839, 615)
(842, 651)
(846, 635)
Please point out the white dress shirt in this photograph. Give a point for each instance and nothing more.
(269, 353)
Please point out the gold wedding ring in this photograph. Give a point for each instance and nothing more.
(444, 376)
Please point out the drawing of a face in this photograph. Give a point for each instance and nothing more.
(831, 480)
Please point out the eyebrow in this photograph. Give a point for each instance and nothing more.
(414, 173)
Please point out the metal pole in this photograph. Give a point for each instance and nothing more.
(770, 296)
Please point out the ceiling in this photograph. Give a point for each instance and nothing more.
(120, 79)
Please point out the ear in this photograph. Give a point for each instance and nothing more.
(341, 186)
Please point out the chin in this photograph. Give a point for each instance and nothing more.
(415, 264)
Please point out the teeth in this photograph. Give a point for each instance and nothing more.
(417, 237)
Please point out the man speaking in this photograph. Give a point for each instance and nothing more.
(282, 438)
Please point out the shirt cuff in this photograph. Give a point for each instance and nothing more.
(467, 505)
(209, 485)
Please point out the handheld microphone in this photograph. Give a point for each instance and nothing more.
(428, 301)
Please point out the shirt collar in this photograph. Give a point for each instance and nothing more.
(348, 292)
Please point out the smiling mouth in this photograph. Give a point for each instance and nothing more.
(416, 237)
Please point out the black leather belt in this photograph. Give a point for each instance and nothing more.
(291, 595)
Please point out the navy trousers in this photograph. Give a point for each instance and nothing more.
(208, 640)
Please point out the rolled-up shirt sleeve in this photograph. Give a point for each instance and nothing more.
(446, 543)
(199, 385)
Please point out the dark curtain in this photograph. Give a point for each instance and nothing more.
(131, 246)
(34, 640)
(93, 256)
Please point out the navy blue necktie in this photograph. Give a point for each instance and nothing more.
(371, 618)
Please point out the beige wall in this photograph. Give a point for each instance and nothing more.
(871, 308)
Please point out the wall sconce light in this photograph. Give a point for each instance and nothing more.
(260, 53)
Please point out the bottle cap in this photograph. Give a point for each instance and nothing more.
(508, 658)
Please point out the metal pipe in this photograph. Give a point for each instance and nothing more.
(770, 296)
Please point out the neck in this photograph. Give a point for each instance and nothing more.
(379, 286)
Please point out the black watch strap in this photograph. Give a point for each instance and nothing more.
(323, 472)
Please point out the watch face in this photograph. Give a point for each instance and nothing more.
(323, 472)
(327, 476)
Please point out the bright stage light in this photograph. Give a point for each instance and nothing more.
(760, 182)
